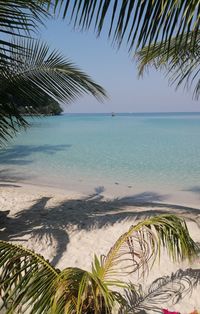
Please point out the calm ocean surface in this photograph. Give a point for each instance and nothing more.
(144, 151)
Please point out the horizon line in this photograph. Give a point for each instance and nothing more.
(128, 112)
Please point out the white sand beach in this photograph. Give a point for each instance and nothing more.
(68, 228)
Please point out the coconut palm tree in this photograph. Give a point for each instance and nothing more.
(29, 70)
(31, 284)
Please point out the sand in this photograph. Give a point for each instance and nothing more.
(67, 228)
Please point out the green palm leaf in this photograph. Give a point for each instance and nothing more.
(48, 71)
(137, 249)
(134, 21)
(29, 283)
(25, 276)
(32, 74)
(182, 66)
(21, 16)
(18, 18)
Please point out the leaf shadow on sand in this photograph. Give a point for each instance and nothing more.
(166, 289)
(92, 211)
(52, 223)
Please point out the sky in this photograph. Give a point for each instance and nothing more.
(117, 72)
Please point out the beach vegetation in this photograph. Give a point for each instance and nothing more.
(47, 106)
(30, 70)
(31, 284)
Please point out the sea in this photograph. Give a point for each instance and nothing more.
(95, 153)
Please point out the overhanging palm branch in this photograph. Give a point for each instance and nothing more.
(18, 18)
(21, 16)
(134, 21)
(33, 73)
(182, 66)
(29, 283)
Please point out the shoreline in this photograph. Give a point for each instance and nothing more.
(186, 198)
(68, 227)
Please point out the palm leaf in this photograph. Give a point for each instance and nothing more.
(18, 18)
(28, 283)
(182, 66)
(25, 276)
(137, 249)
(134, 21)
(49, 72)
(21, 16)
(32, 74)
(11, 121)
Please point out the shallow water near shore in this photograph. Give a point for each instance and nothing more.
(127, 152)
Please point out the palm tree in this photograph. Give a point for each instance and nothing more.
(30, 283)
(164, 30)
(29, 70)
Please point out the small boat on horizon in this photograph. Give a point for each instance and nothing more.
(113, 114)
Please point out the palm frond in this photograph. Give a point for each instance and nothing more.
(28, 283)
(166, 289)
(137, 249)
(11, 122)
(21, 16)
(134, 21)
(181, 66)
(18, 18)
(25, 277)
(49, 72)
(32, 74)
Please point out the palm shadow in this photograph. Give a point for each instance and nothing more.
(169, 289)
(93, 211)
(7, 185)
(9, 177)
(194, 189)
(18, 154)
(21, 155)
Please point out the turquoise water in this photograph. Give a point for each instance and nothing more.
(140, 150)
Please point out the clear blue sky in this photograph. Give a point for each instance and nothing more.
(117, 73)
